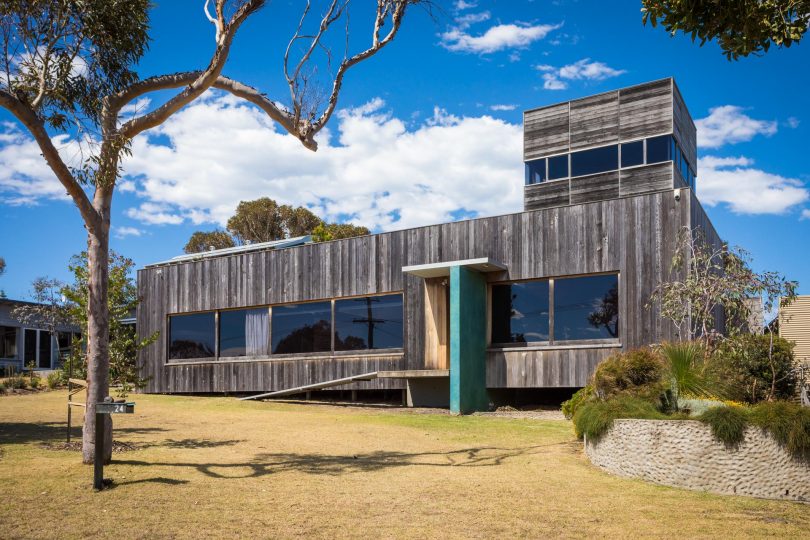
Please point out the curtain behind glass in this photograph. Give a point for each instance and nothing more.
(257, 332)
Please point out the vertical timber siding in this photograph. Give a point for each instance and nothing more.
(633, 236)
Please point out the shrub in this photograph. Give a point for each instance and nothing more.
(593, 418)
(638, 373)
(728, 424)
(569, 408)
(54, 380)
(16, 382)
(744, 364)
(788, 423)
(34, 382)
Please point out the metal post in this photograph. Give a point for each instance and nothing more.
(70, 395)
(98, 464)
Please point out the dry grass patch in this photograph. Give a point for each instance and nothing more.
(217, 467)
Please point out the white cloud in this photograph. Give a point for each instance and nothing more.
(371, 170)
(496, 38)
(123, 232)
(793, 122)
(728, 124)
(461, 5)
(582, 70)
(503, 107)
(747, 190)
(805, 214)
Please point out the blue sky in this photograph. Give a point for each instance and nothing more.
(429, 130)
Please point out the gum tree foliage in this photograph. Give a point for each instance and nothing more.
(122, 300)
(740, 27)
(67, 70)
(203, 241)
(2, 271)
(264, 220)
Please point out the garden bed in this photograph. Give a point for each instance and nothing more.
(685, 453)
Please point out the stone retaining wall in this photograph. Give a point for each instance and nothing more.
(684, 453)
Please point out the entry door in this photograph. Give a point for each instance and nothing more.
(437, 323)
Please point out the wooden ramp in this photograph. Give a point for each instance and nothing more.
(315, 386)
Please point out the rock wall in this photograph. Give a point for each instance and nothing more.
(684, 453)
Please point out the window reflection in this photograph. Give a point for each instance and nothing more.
(371, 322)
(535, 171)
(558, 167)
(595, 160)
(586, 308)
(191, 336)
(633, 154)
(302, 328)
(244, 332)
(520, 312)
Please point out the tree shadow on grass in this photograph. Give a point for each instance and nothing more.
(50, 432)
(333, 465)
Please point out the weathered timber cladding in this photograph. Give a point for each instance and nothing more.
(645, 179)
(547, 195)
(545, 131)
(633, 236)
(595, 187)
(683, 127)
(645, 110)
(595, 121)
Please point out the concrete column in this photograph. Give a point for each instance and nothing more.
(468, 326)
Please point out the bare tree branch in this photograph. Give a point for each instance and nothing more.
(26, 115)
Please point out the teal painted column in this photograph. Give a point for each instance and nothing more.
(468, 328)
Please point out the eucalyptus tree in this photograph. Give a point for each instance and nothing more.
(67, 69)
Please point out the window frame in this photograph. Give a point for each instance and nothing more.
(552, 341)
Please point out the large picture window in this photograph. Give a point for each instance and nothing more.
(556, 310)
(244, 332)
(370, 322)
(586, 308)
(8, 342)
(302, 328)
(595, 160)
(192, 336)
(520, 312)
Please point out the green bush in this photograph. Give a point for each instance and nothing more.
(569, 408)
(788, 423)
(54, 380)
(742, 362)
(593, 418)
(728, 423)
(638, 373)
(34, 382)
(17, 382)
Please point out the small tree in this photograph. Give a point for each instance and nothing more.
(336, 231)
(123, 300)
(741, 27)
(204, 241)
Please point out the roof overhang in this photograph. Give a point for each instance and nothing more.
(441, 269)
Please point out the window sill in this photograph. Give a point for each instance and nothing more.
(286, 358)
(559, 346)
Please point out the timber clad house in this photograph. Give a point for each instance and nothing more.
(24, 347)
(453, 313)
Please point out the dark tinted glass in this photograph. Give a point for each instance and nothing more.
(535, 171)
(373, 322)
(44, 349)
(244, 332)
(658, 149)
(586, 308)
(8, 342)
(302, 328)
(30, 347)
(520, 312)
(191, 336)
(633, 154)
(558, 167)
(595, 160)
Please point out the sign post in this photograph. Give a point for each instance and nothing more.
(108, 406)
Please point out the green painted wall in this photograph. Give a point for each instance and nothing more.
(468, 328)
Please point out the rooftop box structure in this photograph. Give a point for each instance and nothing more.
(531, 300)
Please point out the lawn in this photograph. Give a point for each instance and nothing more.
(217, 467)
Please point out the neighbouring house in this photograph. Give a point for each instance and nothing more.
(23, 347)
(459, 312)
(794, 325)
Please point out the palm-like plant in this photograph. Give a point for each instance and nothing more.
(687, 372)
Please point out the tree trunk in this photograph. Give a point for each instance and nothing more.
(98, 329)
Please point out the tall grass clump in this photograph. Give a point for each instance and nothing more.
(728, 424)
(594, 418)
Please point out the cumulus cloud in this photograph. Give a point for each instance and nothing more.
(503, 107)
(499, 37)
(371, 170)
(123, 232)
(735, 182)
(555, 78)
(728, 124)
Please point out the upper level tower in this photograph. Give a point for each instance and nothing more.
(639, 139)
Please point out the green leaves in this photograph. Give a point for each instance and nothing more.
(740, 27)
